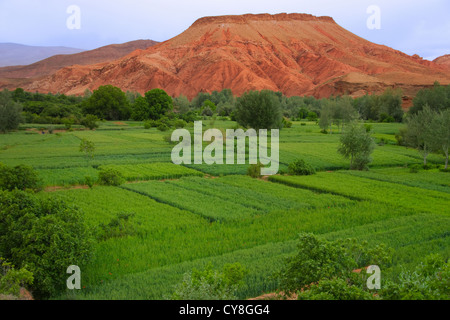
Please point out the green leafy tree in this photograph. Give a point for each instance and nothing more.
(20, 177)
(108, 102)
(43, 235)
(10, 112)
(141, 109)
(356, 144)
(87, 147)
(259, 110)
(420, 134)
(440, 133)
(90, 121)
(317, 259)
(159, 103)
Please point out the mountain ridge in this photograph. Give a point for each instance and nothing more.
(297, 54)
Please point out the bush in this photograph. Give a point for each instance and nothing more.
(110, 177)
(163, 127)
(415, 168)
(43, 235)
(429, 281)
(180, 123)
(300, 168)
(119, 226)
(287, 123)
(254, 170)
(90, 121)
(149, 124)
(312, 116)
(89, 181)
(12, 279)
(335, 289)
(318, 259)
(209, 284)
(20, 177)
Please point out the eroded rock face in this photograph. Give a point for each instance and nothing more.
(443, 60)
(297, 54)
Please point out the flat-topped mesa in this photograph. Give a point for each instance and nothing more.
(245, 18)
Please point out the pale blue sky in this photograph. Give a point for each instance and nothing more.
(412, 26)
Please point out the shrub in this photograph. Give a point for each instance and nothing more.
(89, 181)
(303, 124)
(287, 123)
(149, 124)
(43, 235)
(429, 281)
(163, 127)
(312, 116)
(209, 284)
(90, 121)
(300, 168)
(180, 123)
(335, 289)
(415, 168)
(19, 177)
(119, 226)
(254, 170)
(12, 279)
(110, 177)
(318, 259)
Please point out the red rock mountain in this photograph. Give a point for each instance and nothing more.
(52, 64)
(443, 60)
(298, 54)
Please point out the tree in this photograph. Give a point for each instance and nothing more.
(181, 104)
(326, 118)
(419, 132)
(159, 103)
(20, 177)
(108, 102)
(356, 144)
(10, 112)
(317, 260)
(437, 98)
(259, 110)
(88, 148)
(44, 235)
(440, 132)
(90, 121)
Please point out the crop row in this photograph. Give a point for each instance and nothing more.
(368, 189)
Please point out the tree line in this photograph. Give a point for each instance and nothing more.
(111, 103)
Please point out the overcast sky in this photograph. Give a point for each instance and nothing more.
(411, 26)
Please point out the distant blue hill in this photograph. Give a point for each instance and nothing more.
(13, 54)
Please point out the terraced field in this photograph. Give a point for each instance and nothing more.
(184, 217)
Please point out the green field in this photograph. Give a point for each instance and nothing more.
(184, 217)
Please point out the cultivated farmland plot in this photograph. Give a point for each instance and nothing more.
(185, 217)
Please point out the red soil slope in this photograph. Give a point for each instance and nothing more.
(51, 65)
(443, 60)
(297, 54)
